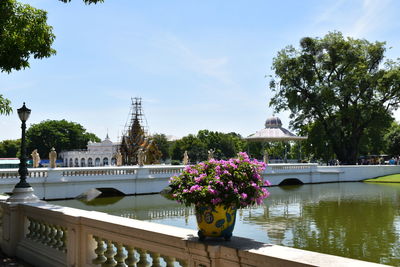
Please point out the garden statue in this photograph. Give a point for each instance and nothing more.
(119, 158)
(185, 158)
(53, 157)
(211, 154)
(141, 157)
(265, 156)
(35, 158)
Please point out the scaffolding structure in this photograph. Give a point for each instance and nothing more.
(135, 138)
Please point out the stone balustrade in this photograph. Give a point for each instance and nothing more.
(61, 183)
(47, 235)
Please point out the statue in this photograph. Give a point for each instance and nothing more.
(119, 158)
(35, 158)
(141, 157)
(53, 157)
(211, 154)
(185, 158)
(265, 156)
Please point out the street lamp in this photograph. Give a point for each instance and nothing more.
(327, 153)
(23, 191)
(23, 114)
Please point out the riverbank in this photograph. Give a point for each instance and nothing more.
(393, 178)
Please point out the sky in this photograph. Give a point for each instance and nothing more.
(195, 64)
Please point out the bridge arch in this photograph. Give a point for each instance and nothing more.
(291, 181)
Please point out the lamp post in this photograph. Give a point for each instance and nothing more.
(23, 191)
(23, 114)
(327, 153)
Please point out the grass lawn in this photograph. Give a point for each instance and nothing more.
(394, 178)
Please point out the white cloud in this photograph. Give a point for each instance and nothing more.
(373, 17)
(357, 19)
(215, 67)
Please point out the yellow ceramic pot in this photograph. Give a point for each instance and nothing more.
(215, 222)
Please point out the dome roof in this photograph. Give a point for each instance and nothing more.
(273, 122)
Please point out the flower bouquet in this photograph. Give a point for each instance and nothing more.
(218, 188)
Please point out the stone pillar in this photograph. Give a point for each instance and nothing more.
(12, 227)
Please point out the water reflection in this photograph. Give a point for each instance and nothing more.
(356, 220)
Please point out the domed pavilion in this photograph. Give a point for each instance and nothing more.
(274, 132)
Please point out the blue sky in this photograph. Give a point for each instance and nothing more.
(196, 64)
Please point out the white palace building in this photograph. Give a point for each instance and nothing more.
(97, 154)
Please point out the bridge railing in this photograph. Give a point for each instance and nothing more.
(13, 173)
(49, 235)
(286, 167)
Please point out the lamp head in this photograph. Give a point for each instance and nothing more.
(24, 113)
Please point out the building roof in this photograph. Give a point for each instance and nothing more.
(274, 132)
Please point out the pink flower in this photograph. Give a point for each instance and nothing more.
(195, 188)
(243, 195)
(267, 183)
(215, 201)
(212, 191)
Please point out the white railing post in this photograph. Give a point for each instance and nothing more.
(12, 227)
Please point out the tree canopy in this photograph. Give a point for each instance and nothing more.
(225, 145)
(392, 139)
(340, 85)
(10, 148)
(62, 135)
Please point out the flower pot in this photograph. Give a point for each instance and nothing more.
(215, 222)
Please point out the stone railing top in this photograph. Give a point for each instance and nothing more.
(169, 240)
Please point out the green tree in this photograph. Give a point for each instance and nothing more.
(163, 145)
(62, 135)
(196, 149)
(10, 148)
(392, 139)
(341, 85)
(225, 145)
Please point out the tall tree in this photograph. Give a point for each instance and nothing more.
(392, 139)
(161, 141)
(62, 135)
(341, 84)
(9, 148)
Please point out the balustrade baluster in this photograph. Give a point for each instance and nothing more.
(170, 261)
(47, 234)
(110, 252)
(53, 243)
(64, 239)
(99, 251)
(120, 256)
(143, 262)
(30, 228)
(58, 238)
(42, 232)
(156, 259)
(131, 260)
(35, 230)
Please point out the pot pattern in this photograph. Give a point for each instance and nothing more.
(215, 222)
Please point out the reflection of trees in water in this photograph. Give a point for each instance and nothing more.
(355, 229)
(362, 229)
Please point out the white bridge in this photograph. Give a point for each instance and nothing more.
(62, 183)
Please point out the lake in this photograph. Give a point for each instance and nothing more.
(356, 220)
